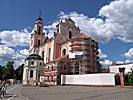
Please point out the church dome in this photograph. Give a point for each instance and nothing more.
(34, 56)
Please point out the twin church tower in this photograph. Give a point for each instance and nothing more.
(67, 52)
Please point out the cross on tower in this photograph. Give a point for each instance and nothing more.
(40, 13)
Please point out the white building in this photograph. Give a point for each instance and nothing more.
(33, 69)
(114, 68)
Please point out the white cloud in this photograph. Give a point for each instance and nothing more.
(129, 54)
(129, 61)
(15, 38)
(106, 62)
(6, 53)
(119, 19)
(119, 62)
(103, 59)
(9, 54)
(114, 21)
(101, 55)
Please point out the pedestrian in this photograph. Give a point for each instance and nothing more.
(3, 88)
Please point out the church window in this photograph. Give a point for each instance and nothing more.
(52, 79)
(38, 42)
(52, 67)
(32, 62)
(39, 30)
(65, 67)
(70, 34)
(31, 73)
(63, 52)
(48, 78)
(43, 54)
(49, 54)
(40, 64)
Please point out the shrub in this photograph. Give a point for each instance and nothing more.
(130, 79)
(117, 79)
(44, 85)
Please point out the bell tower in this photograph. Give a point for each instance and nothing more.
(37, 37)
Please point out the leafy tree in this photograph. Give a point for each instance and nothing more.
(117, 79)
(5, 74)
(19, 72)
(1, 72)
(130, 77)
(10, 70)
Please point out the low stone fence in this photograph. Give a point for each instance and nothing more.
(105, 79)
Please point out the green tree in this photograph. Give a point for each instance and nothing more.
(19, 72)
(130, 77)
(10, 70)
(117, 79)
(5, 74)
(1, 72)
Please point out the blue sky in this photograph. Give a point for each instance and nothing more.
(107, 21)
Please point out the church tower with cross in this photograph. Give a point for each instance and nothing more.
(67, 52)
(37, 37)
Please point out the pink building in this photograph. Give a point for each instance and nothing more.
(67, 52)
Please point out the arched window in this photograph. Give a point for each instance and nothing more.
(49, 54)
(52, 79)
(70, 34)
(48, 68)
(65, 67)
(31, 73)
(48, 78)
(38, 42)
(63, 52)
(43, 54)
(76, 68)
(52, 67)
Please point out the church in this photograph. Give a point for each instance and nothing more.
(67, 52)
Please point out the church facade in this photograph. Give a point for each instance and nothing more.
(67, 52)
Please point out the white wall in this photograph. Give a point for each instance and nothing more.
(89, 79)
(115, 68)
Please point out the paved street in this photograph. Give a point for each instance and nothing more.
(14, 93)
(78, 93)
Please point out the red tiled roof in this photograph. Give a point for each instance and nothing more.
(81, 35)
(50, 38)
(58, 58)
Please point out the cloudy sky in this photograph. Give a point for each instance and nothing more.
(110, 22)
